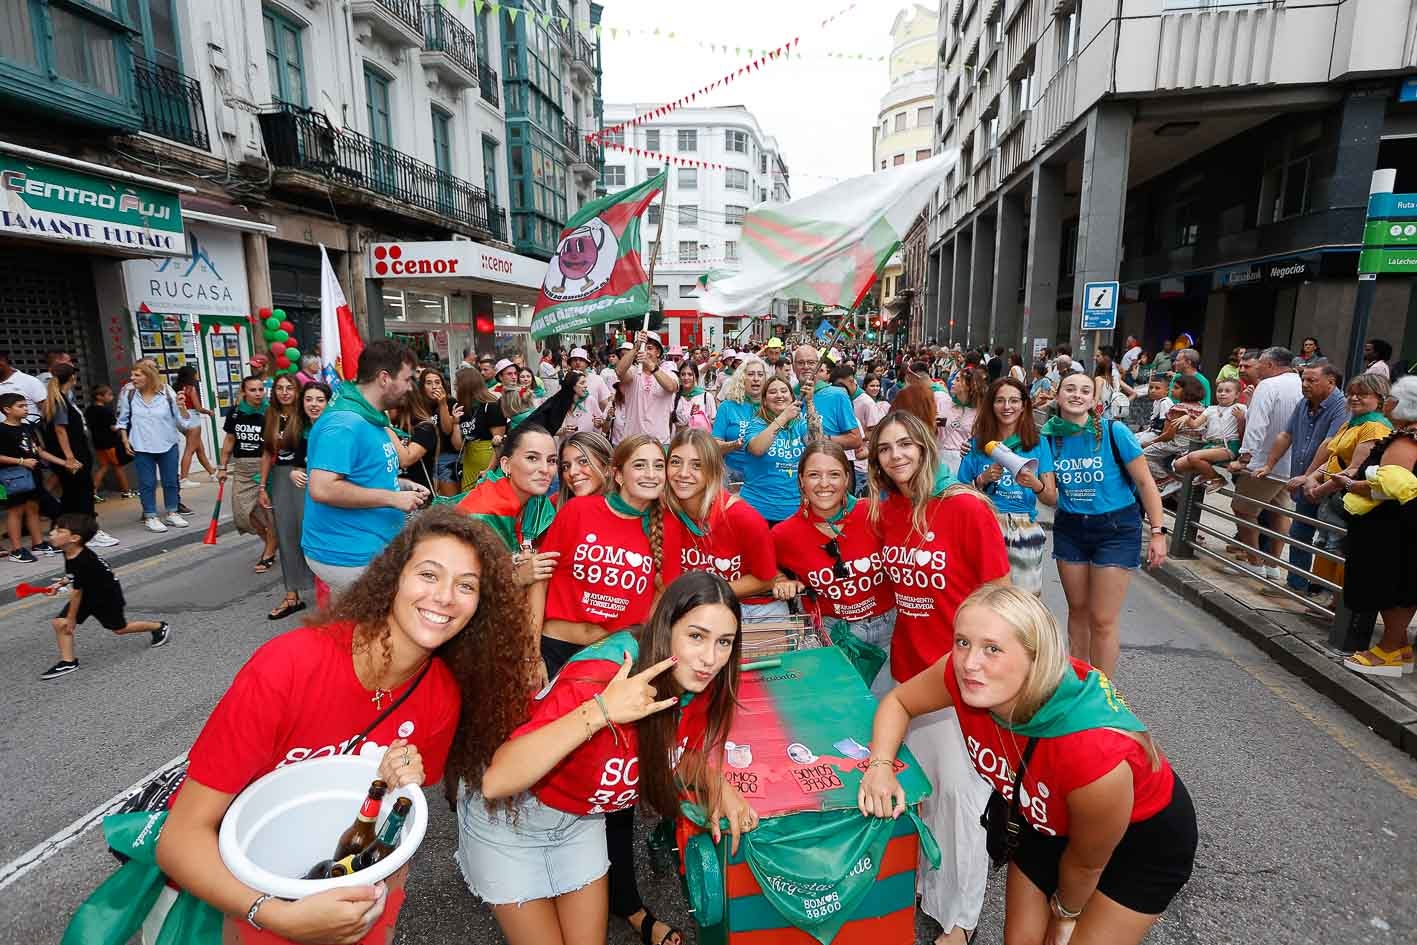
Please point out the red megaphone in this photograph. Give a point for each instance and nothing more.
(26, 590)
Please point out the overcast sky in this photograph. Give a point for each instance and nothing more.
(821, 111)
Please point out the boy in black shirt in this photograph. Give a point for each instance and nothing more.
(96, 593)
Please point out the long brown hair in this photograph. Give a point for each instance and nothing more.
(660, 785)
(987, 426)
(918, 490)
(627, 449)
(917, 398)
(715, 473)
(472, 390)
(597, 449)
(273, 433)
(763, 401)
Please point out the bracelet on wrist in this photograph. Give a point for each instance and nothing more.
(877, 762)
(255, 907)
(1060, 910)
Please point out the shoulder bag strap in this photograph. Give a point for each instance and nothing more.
(1014, 823)
(354, 742)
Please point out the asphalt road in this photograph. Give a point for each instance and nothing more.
(1306, 816)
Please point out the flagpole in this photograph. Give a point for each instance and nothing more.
(654, 256)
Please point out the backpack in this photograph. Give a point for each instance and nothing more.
(167, 395)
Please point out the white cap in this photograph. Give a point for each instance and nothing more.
(579, 353)
(502, 365)
(626, 346)
(729, 354)
(654, 336)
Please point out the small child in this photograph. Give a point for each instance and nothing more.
(1157, 388)
(20, 453)
(96, 593)
(1224, 423)
(1175, 438)
(103, 427)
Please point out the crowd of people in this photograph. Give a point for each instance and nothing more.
(559, 559)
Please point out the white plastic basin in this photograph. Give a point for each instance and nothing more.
(289, 820)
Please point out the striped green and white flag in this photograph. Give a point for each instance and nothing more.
(827, 248)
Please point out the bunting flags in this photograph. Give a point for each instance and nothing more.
(673, 159)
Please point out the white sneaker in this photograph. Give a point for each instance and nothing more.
(175, 520)
(151, 523)
(188, 483)
(1275, 573)
(102, 539)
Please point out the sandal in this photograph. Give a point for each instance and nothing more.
(286, 608)
(264, 564)
(647, 930)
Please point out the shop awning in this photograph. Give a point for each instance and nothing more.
(457, 266)
(224, 214)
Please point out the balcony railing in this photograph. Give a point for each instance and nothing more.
(488, 84)
(306, 140)
(444, 33)
(570, 137)
(583, 51)
(171, 104)
(405, 10)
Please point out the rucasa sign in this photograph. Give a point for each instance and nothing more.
(43, 201)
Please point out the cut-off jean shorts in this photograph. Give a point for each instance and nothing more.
(545, 853)
(1108, 540)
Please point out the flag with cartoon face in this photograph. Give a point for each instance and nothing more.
(596, 275)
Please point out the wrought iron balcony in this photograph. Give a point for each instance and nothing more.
(583, 62)
(558, 27)
(399, 22)
(449, 47)
(305, 140)
(584, 155)
(488, 84)
(170, 103)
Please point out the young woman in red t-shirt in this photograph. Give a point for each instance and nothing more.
(531, 842)
(830, 547)
(707, 528)
(511, 497)
(939, 541)
(442, 591)
(1109, 832)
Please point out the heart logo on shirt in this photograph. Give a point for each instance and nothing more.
(635, 558)
(861, 564)
(922, 557)
(723, 564)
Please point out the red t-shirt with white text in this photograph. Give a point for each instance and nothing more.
(736, 543)
(605, 575)
(960, 549)
(1059, 765)
(865, 592)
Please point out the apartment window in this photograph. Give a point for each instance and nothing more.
(900, 122)
(762, 195)
(996, 29)
(661, 292)
(1069, 33)
(923, 154)
(688, 178)
(76, 47)
(924, 115)
(688, 215)
(689, 291)
(993, 131)
(489, 169)
(898, 160)
(1187, 229)
(614, 136)
(762, 164)
(885, 128)
(651, 173)
(733, 214)
(883, 165)
(688, 139)
(285, 58)
(1284, 188)
(651, 250)
(688, 251)
(652, 139)
(735, 179)
(442, 140)
(614, 175)
(735, 142)
(730, 250)
(1021, 93)
(654, 213)
(376, 106)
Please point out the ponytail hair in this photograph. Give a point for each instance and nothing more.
(54, 390)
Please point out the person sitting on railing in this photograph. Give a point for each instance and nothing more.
(1176, 437)
(1224, 425)
(1158, 392)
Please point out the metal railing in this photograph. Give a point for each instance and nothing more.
(584, 51)
(305, 139)
(444, 33)
(171, 104)
(405, 10)
(570, 137)
(487, 83)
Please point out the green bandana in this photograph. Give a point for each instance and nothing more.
(958, 403)
(1371, 416)
(351, 400)
(1078, 705)
(817, 388)
(845, 510)
(618, 504)
(939, 388)
(1057, 426)
(943, 480)
(518, 419)
(1012, 442)
(243, 407)
(695, 392)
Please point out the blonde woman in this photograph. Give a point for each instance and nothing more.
(739, 398)
(939, 542)
(1108, 831)
(585, 466)
(153, 423)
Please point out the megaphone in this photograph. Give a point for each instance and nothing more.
(1013, 462)
(24, 590)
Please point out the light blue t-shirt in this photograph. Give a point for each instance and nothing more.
(770, 480)
(347, 444)
(731, 423)
(1009, 497)
(834, 407)
(1089, 481)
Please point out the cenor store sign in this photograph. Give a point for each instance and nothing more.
(43, 201)
(442, 259)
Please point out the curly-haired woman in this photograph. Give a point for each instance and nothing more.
(613, 725)
(440, 596)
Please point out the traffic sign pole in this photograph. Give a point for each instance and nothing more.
(1379, 198)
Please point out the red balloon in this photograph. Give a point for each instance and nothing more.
(277, 349)
(288, 327)
(265, 313)
(282, 362)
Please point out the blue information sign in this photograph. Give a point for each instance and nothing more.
(1099, 306)
(1392, 207)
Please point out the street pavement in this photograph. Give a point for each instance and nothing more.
(1306, 817)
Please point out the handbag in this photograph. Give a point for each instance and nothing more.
(16, 480)
(1000, 819)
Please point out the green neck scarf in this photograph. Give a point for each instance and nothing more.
(692, 526)
(1371, 416)
(1076, 706)
(1057, 426)
(351, 400)
(695, 392)
(959, 403)
(619, 505)
(943, 480)
(834, 520)
(518, 419)
(1012, 442)
(243, 407)
(817, 388)
(939, 388)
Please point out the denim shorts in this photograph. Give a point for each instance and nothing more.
(1108, 540)
(446, 467)
(542, 854)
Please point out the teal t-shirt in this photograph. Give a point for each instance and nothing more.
(1205, 382)
(351, 446)
(834, 407)
(770, 480)
(1089, 481)
(1008, 496)
(731, 423)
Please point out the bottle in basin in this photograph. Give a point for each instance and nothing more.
(384, 844)
(360, 834)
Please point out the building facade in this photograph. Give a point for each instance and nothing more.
(1214, 159)
(703, 207)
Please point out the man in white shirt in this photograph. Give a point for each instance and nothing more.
(648, 387)
(1131, 350)
(1277, 394)
(579, 361)
(27, 386)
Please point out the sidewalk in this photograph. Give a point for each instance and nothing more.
(122, 518)
(1296, 637)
